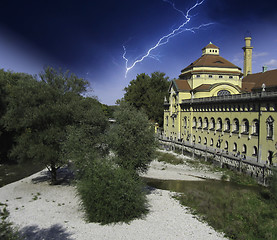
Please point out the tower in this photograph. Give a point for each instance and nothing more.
(247, 67)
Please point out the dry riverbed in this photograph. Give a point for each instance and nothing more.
(53, 212)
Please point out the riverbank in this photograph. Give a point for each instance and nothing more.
(53, 212)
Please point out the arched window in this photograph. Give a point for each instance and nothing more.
(193, 138)
(206, 123)
(255, 151)
(227, 125)
(269, 127)
(194, 122)
(270, 157)
(235, 125)
(199, 122)
(173, 122)
(255, 127)
(205, 141)
(166, 120)
(219, 124)
(212, 124)
(226, 146)
(223, 93)
(235, 147)
(244, 149)
(245, 126)
(199, 139)
(212, 142)
(185, 122)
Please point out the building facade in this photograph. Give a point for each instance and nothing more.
(215, 105)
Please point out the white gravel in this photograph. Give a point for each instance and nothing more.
(53, 212)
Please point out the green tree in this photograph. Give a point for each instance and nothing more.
(132, 139)
(39, 112)
(148, 93)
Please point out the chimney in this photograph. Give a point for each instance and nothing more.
(247, 66)
(264, 68)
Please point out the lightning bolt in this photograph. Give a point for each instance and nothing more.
(165, 39)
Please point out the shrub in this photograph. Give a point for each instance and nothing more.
(111, 193)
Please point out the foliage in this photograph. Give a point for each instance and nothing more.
(39, 112)
(132, 139)
(7, 232)
(168, 158)
(148, 93)
(86, 139)
(241, 213)
(273, 184)
(110, 193)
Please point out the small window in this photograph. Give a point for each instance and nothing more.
(198, 76)
(212, 142)
(255, 151)
(269, 127)
(220, 76)
(235, 147)
(230, 77)
(199, 139)
(244, 149)
(210, 76)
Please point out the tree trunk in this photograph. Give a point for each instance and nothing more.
(53, 172)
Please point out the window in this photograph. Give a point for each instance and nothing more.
(235, 147)
(230, 77)
(193, 138)
(185, 122)
(220, 76)
(255, 127)
(269, 157)
(269, 127)
(245, 126)
(212, 142)
(166, 120)
(199, 139)
(194, 122)
(205, 141)
(198, 76)
(206, 123)
(219, 124)
(199, 122)
(226, 146)
(244, 149)
(173, 121)
(255, 151)
(223, 93)
(210, 76)
(212, 124)
(227, 125)
(236, 126)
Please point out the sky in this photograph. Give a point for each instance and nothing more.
(87, 37)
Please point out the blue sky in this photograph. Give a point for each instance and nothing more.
(87, 37)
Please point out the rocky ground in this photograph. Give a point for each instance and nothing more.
(42, 211)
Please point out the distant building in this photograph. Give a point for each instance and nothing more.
(215, 105)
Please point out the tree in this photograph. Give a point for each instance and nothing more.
(132, 138)
(39, 112)
(148, 93)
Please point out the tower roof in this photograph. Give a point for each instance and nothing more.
(210, 45)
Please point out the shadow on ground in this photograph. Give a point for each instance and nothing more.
(64, 176)
(55, 232)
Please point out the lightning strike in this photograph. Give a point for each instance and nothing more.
(165, 39)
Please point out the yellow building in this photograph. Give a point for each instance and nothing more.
(212, 107)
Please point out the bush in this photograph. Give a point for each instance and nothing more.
(111, 194)
(7, 232)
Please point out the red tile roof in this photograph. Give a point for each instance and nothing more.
(208, 60)
(252, 81)
(182, 85)
(210, 45)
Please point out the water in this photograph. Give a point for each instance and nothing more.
(182, 186)
(13, 172)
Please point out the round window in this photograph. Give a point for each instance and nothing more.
(223, 93)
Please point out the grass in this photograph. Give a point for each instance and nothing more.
(241, 209)
(168, 158)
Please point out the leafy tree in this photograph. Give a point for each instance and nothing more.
(132, 138)
(7, 80)
(148, 93)
(110, 193)
(39, 112)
